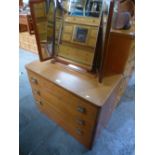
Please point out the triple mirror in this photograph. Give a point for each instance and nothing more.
(67, 30)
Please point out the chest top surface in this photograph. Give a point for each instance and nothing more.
(84, 85)
(130, 33)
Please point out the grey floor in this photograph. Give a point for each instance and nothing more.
(41, 136)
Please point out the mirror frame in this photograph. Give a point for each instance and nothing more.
(105, 40)
(31, 3)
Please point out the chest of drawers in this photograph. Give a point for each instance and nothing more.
(75, 101)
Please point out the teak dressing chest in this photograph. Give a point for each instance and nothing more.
(74, 83)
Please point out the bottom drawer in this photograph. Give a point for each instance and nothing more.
(83, 137)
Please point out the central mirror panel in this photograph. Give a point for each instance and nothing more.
(79, 32)
(78, 40)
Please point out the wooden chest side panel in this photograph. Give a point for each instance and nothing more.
(119, 49)
(107, 109)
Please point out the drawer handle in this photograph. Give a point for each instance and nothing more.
(34, 80)
(39, 102)
(36, 92)
(81, 109)
(80, 122)
(79, 132)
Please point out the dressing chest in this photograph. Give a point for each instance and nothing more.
(83, 68)
(76, 101)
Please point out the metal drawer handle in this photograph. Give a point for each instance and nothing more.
(80, 122)
(81, 109)
(34, 80)
(39, 102)
(79, 132)
(36, 92)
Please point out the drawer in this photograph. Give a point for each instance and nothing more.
(34, 79)
(83, 136)
(81, 107)
(72, 119)
(73, 115)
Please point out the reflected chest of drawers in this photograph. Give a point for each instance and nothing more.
(74, 100)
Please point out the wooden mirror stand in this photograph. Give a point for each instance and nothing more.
(80, 102)
(76, 36)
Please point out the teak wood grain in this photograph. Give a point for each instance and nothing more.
(75, 99)
(119, 51)
(66, 100)
(84, 137)
(60, 92)
(72, 116)
(82, 85)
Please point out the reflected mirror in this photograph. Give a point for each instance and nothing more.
(88, 8)
(67, 30)
(43, 14)
(78, 31)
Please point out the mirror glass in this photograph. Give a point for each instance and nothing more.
(43, 16)
(67, 29)
(77, 31)
(88, 8)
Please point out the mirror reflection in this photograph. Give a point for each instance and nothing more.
(68, 29)
(44, 19)
(89, 8)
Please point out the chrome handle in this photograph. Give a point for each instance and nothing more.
(36, 92)
(81, 109)
(80, 122)
(34, 80)
(79, 131)
(39, 102)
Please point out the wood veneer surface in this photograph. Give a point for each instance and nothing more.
(83, 85)
(130, 33)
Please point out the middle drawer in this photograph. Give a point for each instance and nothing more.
(71, 114)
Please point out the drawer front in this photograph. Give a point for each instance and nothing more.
(34, 79)
(72, 115)
(79, 133)
(77, 105)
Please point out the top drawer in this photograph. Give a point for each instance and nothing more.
(80, 105)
